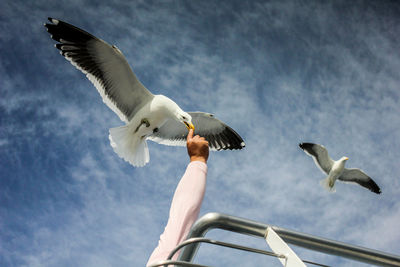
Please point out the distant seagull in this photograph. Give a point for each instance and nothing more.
(147, 116)
(336, 169)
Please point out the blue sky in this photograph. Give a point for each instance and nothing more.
(278, 72)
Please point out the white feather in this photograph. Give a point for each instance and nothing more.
(128, 146)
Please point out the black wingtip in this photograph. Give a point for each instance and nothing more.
(371, 185)
(232, 139)
(306, 146)
(53, 22)
(377, 191)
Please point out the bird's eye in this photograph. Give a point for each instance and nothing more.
(184, 118)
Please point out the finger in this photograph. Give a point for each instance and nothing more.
(200, 139)
(190, 135)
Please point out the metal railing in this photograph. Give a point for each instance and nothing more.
(189, 241)
(248, 227)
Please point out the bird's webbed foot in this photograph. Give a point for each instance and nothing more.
(143, 121)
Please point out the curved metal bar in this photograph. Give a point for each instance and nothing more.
(175, 263)
(230, 245)
(248, 227)
(223, 244)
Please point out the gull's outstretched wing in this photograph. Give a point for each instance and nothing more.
(319, 155)
(219, 135)
(104, 65)
(358, 176)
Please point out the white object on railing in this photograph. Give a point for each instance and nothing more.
(279, 246)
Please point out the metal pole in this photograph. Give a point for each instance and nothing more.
(248, 227)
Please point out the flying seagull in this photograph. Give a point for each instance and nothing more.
(147, 116)
(336, 170)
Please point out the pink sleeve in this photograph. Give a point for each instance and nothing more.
(184, 211)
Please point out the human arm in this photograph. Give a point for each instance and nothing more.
(187, 200)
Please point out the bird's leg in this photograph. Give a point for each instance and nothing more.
(143, 121)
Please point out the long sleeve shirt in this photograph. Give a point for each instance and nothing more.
(184, 211)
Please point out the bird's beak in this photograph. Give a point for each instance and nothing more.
(189, 126)
(346, 158)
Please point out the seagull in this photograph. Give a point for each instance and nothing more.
(336, 170)
(146, 116)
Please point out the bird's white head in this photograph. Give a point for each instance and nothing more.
(344, 158)
(171, 108)
(185, 118)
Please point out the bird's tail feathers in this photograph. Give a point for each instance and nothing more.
(130, 147)
(328, 184)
